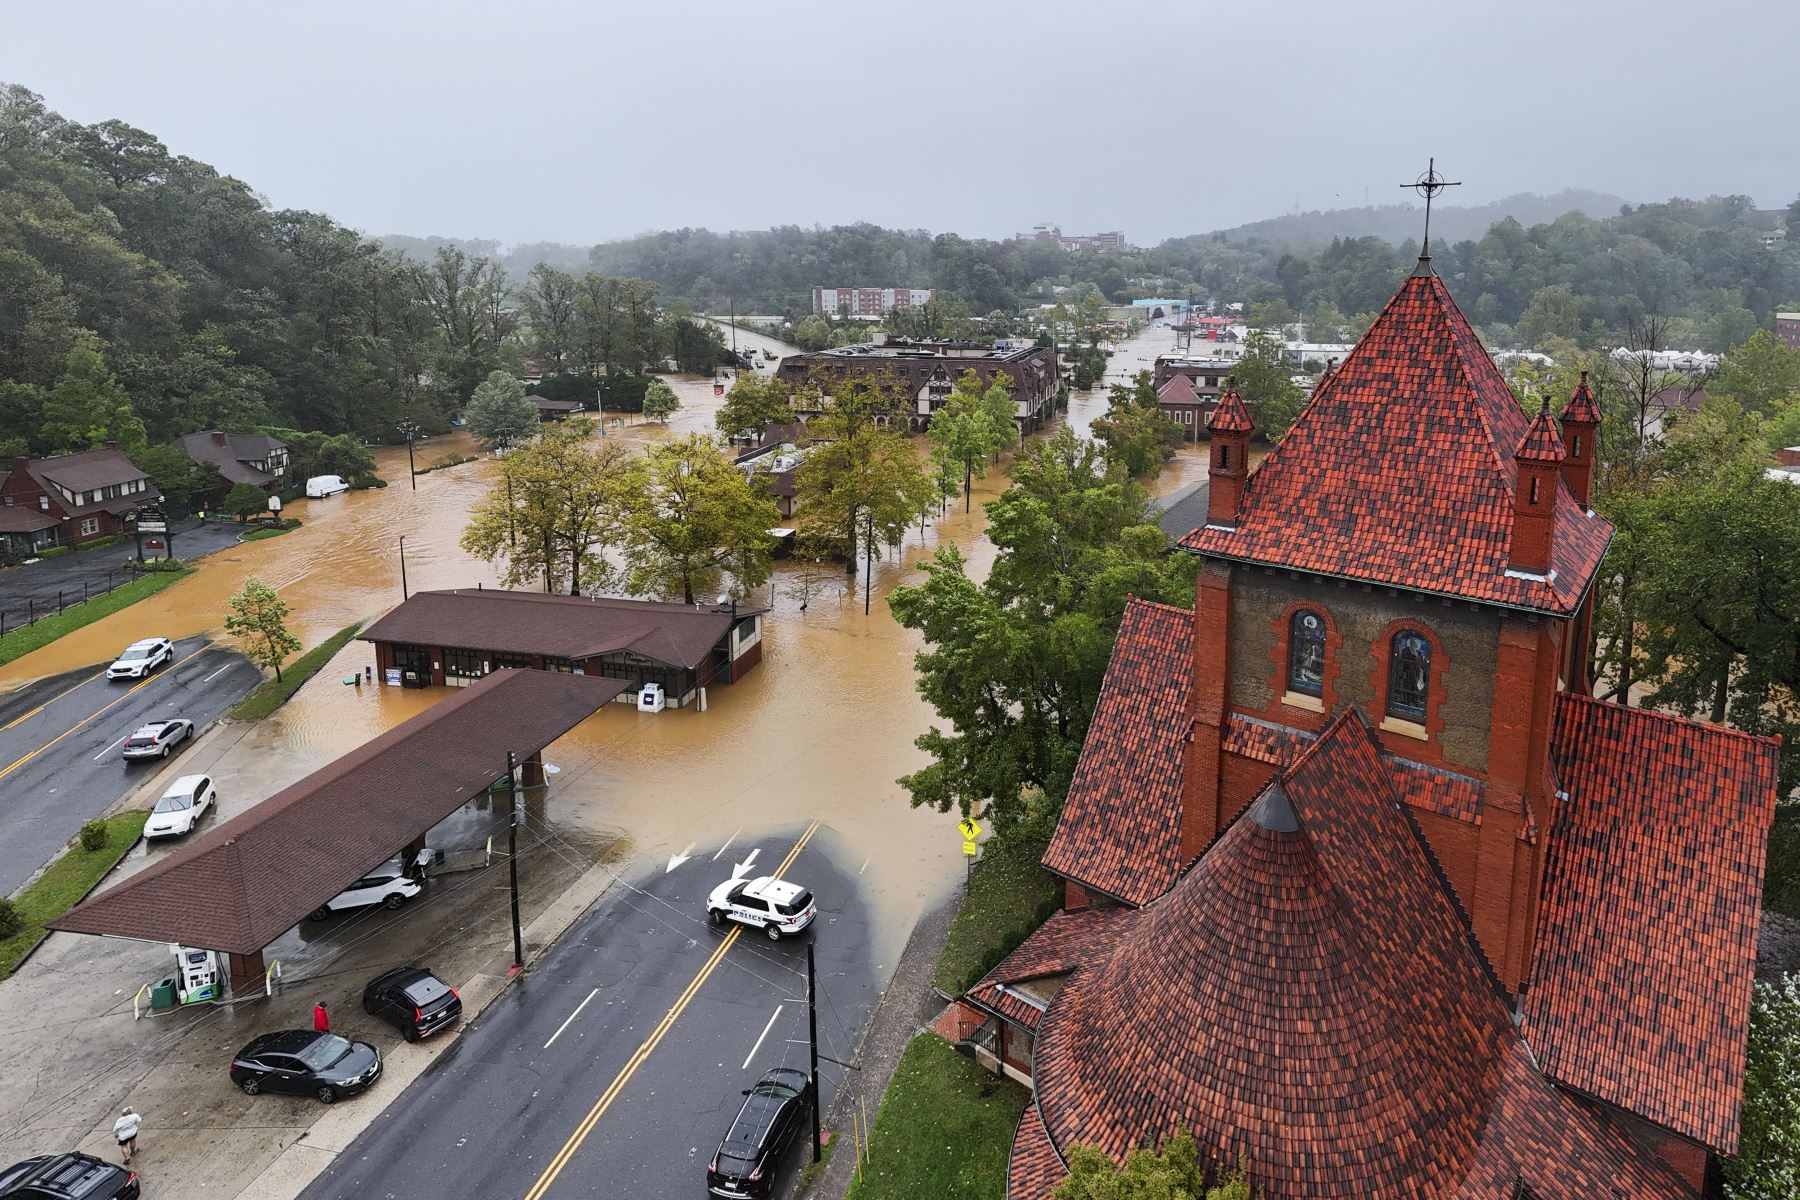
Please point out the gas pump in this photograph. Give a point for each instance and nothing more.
(197, 978)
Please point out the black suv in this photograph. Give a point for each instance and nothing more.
(412, 1000)
(774, 1112)
(303, 1063)
(72, 1176)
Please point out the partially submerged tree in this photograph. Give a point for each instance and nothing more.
(969, 426)
(1137, 436)
(660, 401)
(498, 413)
(258, 620)
(694, 519)
(754, 403)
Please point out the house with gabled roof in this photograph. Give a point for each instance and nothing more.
(69, 499)
(254, 458)
(1361, 884)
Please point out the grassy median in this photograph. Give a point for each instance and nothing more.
(61, 887)
(1009, 896)
(23, 640)
(275, 692)
(945, 1129)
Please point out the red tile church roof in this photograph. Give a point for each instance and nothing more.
(1120, 831)
(1308, 997)
(1400, 471)
(1069, 939)
(1582, 406)
(1231, 416)
(1652, 898)
(1543, 441)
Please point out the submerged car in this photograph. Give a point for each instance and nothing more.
(157, 739)
(773, 1113)
(412, 1000)
(772, 905)
(142, 657)
(181, 807)
(299, 1062)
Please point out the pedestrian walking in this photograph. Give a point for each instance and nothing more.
(125, 1129)
(321, 1018)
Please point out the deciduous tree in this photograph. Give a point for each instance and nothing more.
(968, 426)
(498, 413)
(246, 500)
(88, 408)
(1134, 430)
(1767, 1164)
(754, 403)
(258, 620)
(693, 520)
(1176, 1173)
(660, 401)
(1265, 381)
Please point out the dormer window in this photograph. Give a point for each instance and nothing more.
(1306, 654)
(1409, 676)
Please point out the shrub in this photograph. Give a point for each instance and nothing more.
(56, 551)
(101, 543)
(93, 835)
(11, 919)
(362, 482)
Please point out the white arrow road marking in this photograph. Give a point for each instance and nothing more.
(759, 1041)
(675, 860)
(572, 1016)
(739, 870)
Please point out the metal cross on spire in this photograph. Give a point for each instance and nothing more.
(1429, 185)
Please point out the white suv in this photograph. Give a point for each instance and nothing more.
(387, 885)
(181, 807)
(773, 905)
(141, 658)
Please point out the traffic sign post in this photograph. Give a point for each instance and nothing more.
(970, 829)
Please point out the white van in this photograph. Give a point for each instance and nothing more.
(320, 486)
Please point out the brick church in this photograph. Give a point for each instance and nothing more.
(1361, 885)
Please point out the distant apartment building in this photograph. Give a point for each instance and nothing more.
(927, 368)
(1787, 328)
(867, 303)
(1111, 240)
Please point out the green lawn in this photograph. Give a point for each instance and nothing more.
(274, 693)
(945, 1129)
(257, 535)
(22, 641)
(1009, 896)
(69, 879)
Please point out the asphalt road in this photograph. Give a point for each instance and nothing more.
(59, 744)
(614, 1068)
(51, 581)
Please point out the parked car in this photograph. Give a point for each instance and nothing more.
(774, 1111)
(181, 807)
(141, 658)
(300, 1062)
(412, 1000)
(320, 486)
(71, 1176)
(387, 885)
(772, 905)
(157, 739)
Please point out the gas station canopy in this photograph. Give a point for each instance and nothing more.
(241, 885)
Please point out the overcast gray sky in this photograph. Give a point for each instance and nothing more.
(570, 121)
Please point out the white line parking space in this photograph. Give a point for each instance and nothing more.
(759, 1041)
(571, 1018)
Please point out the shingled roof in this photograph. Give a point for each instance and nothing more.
(1400, 471)
(1070, 939)
(1120, 831)
(1646, 954)
(1361, 1050)
(571, 627)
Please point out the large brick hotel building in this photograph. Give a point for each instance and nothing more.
(1362, 886)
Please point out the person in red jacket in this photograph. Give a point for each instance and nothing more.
(321, 1018)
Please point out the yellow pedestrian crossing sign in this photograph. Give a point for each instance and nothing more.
(970, 828)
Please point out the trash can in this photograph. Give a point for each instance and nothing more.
(162, 994)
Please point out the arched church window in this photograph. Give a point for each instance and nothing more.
(1306, 653)
(1409, 676)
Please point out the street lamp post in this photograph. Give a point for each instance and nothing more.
(411, 430)
(403, 566)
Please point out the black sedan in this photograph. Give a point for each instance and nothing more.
(302, 1063)
(774, 1112)
(412, 1000)
(157, 739)
(71, 1176)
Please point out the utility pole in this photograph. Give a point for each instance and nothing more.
(868, 561)
(403, 566)
(512, 854)
(812, 1045)
(411, 431)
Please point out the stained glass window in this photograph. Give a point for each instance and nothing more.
(1409, 676)
(1306, 653)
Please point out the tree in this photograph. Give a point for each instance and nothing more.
(246, 500)
(1767, 1165)
(561, 500)
(967, 426)
(1137, 436)
(1013, 665)
(87, 407)
(465, 299)
(498, 413)
(694, 519)
(1763, 374)
(1553, 312)
(696, 346)
(1265, 381)
(754, 403)
(660, 401)
(258, 620)
(1177, 1173)
(183, 484)
(548, 305)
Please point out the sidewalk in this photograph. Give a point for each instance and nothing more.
(908, 1005)
(35, 586)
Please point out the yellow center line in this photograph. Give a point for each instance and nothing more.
(46, 704)
(650, 1043)
(16, 763)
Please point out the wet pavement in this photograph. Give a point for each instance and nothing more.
(34, 589)
(59, 745)
(577, 1082)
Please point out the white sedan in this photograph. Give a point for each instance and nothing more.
(141, 658)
